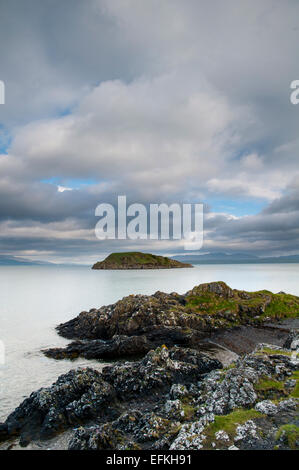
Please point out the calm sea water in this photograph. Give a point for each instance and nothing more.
(35, 299)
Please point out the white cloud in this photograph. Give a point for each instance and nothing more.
(135, 133)
(61, 189)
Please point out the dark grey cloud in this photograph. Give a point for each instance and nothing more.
(275, 230)
(52, 52)
(289, 203)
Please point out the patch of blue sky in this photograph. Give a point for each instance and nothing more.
(73, 183)
(237, 207)
(5, 140)
(65, 112)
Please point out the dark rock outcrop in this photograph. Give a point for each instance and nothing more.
(76, 397)
(292, 341)
(4, 434)
(176, 399)
(85, 394)
(137, 323)
(118, 346)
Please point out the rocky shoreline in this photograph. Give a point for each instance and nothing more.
(138, 323)
(175, 398)
(176, 391)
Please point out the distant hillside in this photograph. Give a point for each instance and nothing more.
(236, 258)
(6, 260)
(137, 260)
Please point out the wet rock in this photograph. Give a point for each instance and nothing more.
(175, 398)
(158, 370)
(3, 432)
(292, 341)
(75, 397)
(86, 394)
(202, 361)
(118, 346)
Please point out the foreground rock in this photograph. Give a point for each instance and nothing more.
(173, 398)
(118, 346)
(86, 394)
(137, 260)
(137, 323)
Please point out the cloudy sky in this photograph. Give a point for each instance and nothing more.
(172, 101)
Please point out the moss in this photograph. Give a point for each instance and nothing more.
(210, 303)
(174, 430)
(270, 389)
(295, 391)
(229, 423)
(268, 384)
(282, 306)
(270, 351)
(289, 434)
(188, 411)
(258, 305)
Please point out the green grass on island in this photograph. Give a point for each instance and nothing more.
(138, 260)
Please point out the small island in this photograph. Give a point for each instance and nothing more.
(138, 260)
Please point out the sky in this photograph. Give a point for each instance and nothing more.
(160, 101)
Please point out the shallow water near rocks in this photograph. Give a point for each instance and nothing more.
(35, 299)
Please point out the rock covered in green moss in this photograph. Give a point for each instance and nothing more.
(288, 436)
(236, 404)
(207, 306)
(138, 323)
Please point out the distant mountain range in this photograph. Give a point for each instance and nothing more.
(235, 258)
(6, 260)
